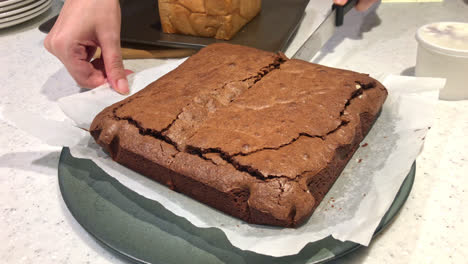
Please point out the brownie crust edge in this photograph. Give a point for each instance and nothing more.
(237, 191)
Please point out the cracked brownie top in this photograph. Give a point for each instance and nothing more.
(253, 111)
(236, 118)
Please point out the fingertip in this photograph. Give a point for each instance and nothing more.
(94, 80)
(122, 86)
(128, 72)
(97, 79)
(364, 5)
(340, 2)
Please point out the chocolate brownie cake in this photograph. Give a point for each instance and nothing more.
(254, 134)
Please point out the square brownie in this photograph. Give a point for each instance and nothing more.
(251, 133)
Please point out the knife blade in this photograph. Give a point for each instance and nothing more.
(324, 31)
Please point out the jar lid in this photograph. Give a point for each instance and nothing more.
(449, 38)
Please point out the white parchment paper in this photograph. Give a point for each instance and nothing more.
(351, 210)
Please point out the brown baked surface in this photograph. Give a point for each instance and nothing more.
(251, 133)
(220, 19)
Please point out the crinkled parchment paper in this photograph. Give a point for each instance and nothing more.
(351, 210)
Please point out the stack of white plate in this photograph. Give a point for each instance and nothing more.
(13, 12)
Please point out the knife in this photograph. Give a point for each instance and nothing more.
(324, 31)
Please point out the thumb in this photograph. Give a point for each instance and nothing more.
(113, 64)
(363, 5)
(340, 2)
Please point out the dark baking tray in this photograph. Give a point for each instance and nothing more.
(271, 30)
(143, 231)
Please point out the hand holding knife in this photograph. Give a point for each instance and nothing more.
(325, 30)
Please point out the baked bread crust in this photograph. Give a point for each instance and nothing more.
(220, 19)
(251, 133)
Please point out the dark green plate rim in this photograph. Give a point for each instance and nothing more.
(143, 231)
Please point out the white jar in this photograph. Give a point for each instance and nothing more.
(443, 52)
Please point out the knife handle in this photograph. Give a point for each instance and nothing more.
(342, 10)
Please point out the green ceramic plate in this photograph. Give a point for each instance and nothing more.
(143, 231)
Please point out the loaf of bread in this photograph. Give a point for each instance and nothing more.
(220, 19)
(254, 134)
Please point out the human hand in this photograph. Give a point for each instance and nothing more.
(362, 5)
(81, 27)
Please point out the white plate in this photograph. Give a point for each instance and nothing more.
(25, 14)
(14, 6)
(9, 2)
(22, 9)
(25, 18)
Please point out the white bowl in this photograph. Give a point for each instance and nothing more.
(443, 52)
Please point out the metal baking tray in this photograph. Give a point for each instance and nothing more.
(271, 30)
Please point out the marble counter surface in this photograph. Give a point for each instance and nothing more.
(36, 227)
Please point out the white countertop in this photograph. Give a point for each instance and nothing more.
(36, 227)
